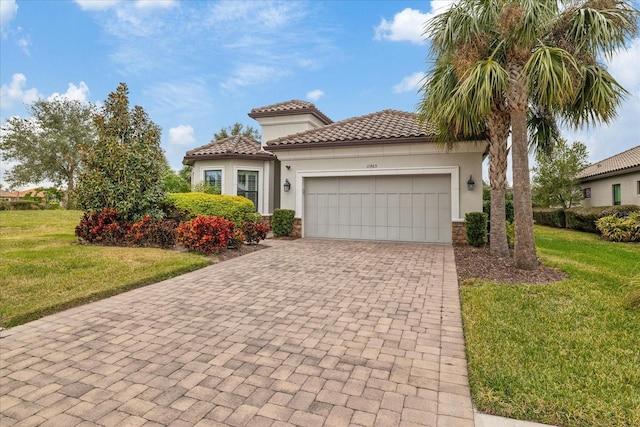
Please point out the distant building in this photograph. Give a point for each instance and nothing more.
(612, 181)
(10, 196)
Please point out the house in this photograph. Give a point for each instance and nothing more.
(380, 176)
(11, 196)
(612, 181)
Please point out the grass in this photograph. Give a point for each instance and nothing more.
(566, 353)
(44, 270)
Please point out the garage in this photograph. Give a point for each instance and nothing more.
(407, 208)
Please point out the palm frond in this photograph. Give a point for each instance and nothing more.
(596, 99)
(543, 130)
(602, 30)
(550, 70)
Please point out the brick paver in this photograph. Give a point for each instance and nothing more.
(307, 332)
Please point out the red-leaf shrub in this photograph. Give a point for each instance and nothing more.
(151, 232)
(205, 234)
(106, 227)
(254, 231)
(237, 241)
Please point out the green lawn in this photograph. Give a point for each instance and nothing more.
(566, 353)
(44, 270)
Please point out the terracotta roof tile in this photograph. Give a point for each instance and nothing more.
(234, 146)
(626, 160)
(292, 107)
(381, 126)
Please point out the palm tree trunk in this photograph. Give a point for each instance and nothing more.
(498, 124)
(524, 246)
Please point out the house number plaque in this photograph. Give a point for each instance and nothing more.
(372, 166)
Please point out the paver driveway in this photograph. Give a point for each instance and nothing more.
(307, 332)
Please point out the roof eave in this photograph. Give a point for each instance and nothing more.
(350, 143)
(190, 160)
(300, 111)
(610, 174)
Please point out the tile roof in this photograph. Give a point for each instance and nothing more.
(383, 126)
(620, 162)
(236, 146)
(292, 107)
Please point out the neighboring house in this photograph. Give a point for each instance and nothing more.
(381, 176)
(10, 196)
(612, 181)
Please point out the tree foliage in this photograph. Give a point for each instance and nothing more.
(123, 171)
(46, 146)
(237, 129)
(515, 54)
(555, 180)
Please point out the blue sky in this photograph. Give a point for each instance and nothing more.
(198, 66)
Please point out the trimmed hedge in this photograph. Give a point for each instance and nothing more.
(584, 218)
(476, 227)
(185, 206)
(550, 216)
(282, 222)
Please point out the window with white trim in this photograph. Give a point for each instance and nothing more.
(214, 179)
(248, 186)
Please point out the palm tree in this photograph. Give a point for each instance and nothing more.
(519, 53)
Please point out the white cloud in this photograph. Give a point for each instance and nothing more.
(252, 74)
(8, 11)
(410, 83)
(74, 93)
(156, 4)
(97, 4)
(181, 135)
(15, 92)
(314, 95)
(409, 24)
(23, 43)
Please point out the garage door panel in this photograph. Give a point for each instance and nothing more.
(403, 208)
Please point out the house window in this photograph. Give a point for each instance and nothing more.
(586, 192)
(214, 178)
(638, 187)
(248, 186)
(617, 197)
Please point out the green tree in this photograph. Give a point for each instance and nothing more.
(174, 183)
(46, 146)
(555, 180)
(124, 169)
(513, 54)
(185, 173)
(237, 129)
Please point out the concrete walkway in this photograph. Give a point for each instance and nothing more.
(307, 333)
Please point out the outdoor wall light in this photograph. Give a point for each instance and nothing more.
(470, 183)
(287, 186)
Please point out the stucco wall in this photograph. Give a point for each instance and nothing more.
(229, 169)
(278, 126)
(463, 161)
(602, 190)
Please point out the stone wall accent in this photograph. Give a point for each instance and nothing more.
(266, 220)
(458, 233)
(297, 227)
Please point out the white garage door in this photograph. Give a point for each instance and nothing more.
(411, 208)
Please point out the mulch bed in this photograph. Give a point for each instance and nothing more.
(480, 263)
(234, 253)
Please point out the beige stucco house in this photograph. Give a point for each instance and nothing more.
(380, 176)
(612, 181)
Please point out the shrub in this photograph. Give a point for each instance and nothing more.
(237, 240)
(106, 227)
(186, 206)
(205, 234)
(620, 229)
(584, 218)
(25, 205)
(149, 232)
(511, 234)
(205, 187)
(550, 216)
(254, 231)
(476, 228)
(632, 299)
(282, 222)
